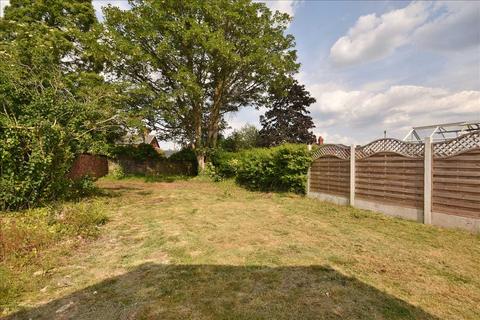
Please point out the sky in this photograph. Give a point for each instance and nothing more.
(380, 65)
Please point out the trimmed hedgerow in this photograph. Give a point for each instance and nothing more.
(141, 152)
(283, 168)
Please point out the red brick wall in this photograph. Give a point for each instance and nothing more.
(89, 165)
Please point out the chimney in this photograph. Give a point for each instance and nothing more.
(320, 140)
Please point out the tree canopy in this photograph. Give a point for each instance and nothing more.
(69, 84)
(244, 138)
(191, 62)
(52, 105)
(72, 23)
(287, 119)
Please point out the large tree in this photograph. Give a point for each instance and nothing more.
(191, 62)
(287, 119)
(53, 105)
(74, 23)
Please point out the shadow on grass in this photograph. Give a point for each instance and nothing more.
(153, 291)
(151, 178)
(165, 178)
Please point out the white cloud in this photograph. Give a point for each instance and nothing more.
(245, 116)
(335, 138)
(442, 26)
(373, 37)
(456, 27)
(3, 4)
(285, 6)
(363, 115)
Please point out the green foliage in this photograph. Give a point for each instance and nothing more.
(186, 154)
(246, 137)
(30, 167)
(72, 21)
(117, 172)
(283, 168)
(51, 110)
(81, 188)
(191, 62)
(210, 171)
(226, 163)
(141, 152)
(41, 129)
(287, 119)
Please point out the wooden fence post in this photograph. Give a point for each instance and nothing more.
(309, 148)
(308, 180)
(352, 175)
(427, 182)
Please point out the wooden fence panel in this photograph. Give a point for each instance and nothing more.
(330, 175)
(390, 178)
(456, 184)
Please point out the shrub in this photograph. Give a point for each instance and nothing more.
(282, 168)
(141, 152)
(117, 172)
(46, 119)
(186, 154)
(81, 188)
(32, 169)
(226, 163)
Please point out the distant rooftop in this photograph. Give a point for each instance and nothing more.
(441, 132)
(136, 138)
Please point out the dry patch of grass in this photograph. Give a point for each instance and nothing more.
(32, 241)
(197, 249)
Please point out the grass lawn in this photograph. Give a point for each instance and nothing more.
(194, 249)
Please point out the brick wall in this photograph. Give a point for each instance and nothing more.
(89, 165)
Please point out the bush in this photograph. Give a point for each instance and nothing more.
(141, 152)
(45, 120)
(32, 169)
(117, 172)
(226, 163)
(186, 154)
(282, 168)
(81, 188)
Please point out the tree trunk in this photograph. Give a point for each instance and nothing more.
(201, 163)
(213, 132)
(197, 123)
(214, 120)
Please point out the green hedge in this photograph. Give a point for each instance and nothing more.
(283, 168)
(141, 152)
(186, 154)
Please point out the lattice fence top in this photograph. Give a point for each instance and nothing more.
(441, 149)
(337, 150)
(406, 149)
(457, 145)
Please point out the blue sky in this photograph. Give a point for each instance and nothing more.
(385, 65)
(381, 65)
